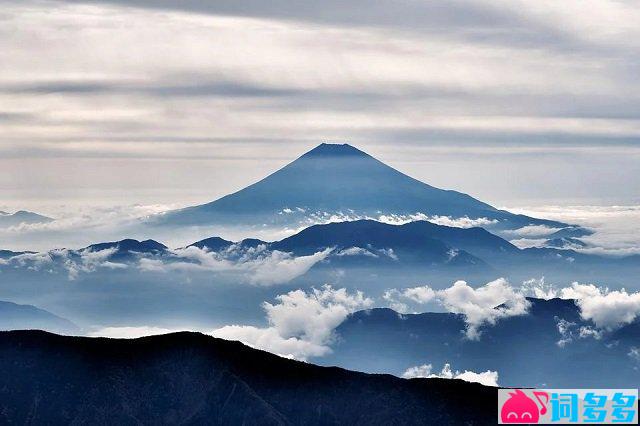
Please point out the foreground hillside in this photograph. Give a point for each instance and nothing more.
(190, 378)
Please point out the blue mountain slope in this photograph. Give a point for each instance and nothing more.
(333, 178)
(27, 317)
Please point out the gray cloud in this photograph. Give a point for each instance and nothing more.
(232, 82)
(477, 21)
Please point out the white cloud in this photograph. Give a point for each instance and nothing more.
(480, 306)
(399, 300)
(537, 287)
(461, 222)
(524, 243)
(324, 217)
(420, 371)
(269, 339)
(607, 309)
(356, 251)
(484, 305)
(616, 228)
(564, 328)
(487, 378)
(129, 332)
(301, 323)
(569, 331)
(258, 265)
(71, 261)
(77, 226)
(533, 231)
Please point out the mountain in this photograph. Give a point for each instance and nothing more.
(25, 317)
(334, 178)
(127, 248)
(212, 244)
(7, 254)
(20, 217)
(411, 239)
(218, 244)
(550, 346)
(190, 378)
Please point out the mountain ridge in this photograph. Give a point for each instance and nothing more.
(192, 378)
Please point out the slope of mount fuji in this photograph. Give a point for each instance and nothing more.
(340, 178)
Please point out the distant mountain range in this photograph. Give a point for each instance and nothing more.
(333, 178)
(422, 250)
(27, 317)
(368, 254)
(189, 378)
(20, 217)
(547, 347)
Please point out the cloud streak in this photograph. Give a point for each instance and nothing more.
(487, 378)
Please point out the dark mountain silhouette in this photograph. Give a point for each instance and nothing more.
(25, 317)
(20, 217)
(333, 178)
(190, 378)
(523, 349)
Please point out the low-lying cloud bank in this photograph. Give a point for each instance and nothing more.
(607, 309)
(301, 323)
(480, 306)
(306, 218)
(257, 264)
(616, 228)
(487, 378)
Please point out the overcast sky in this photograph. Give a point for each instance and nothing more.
(515, 102)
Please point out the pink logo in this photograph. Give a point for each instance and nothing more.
(519, 408)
